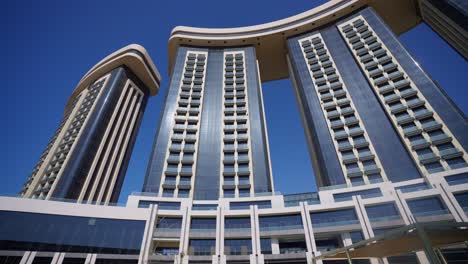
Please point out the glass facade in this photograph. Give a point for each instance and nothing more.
(202, 247)
(57, 233)
(348, 196)
(282, 222)
(427, 207)
(237, 246)
(334, 218)
(382, 212)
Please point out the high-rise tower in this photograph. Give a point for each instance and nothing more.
(87, 157)
(211, 141)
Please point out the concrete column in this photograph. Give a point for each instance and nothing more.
(93, 259)
(307, 224)
(31, 257)
(455, 209)
(363, 218)
(275, 246)
(220, 231)
(58, 258)
(88, 259)
(145, 250)
(256, 256)
(184, 233)
(25, 257)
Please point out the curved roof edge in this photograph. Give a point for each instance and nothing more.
(135, 57)
(270, 38)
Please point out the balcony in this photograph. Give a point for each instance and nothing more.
(370, 169)
(229, 172)
(421, 114)
(355, 172)
(341, 135)
(404, 119)
(395, 109)
(419, 144)
(229, 184)
(329, 105)
(413, 103)
(428, 158)
(333, 114)
(336, 124)
(408, 92)
(375, 72)
(411, 131)
(384, 59)
(347, 111)
(335, 85)
(349, 158)
(371, 64)
(390, 67)
(344, 146)
(450, 153)
(339, 93)
(365, 155)
(351, 121)
(186, 171)
(391, 98)
(343, 101)
(401, 83)
(440, 139)
(361, 143)
(356, 131)
(430, 126)
(243, 171)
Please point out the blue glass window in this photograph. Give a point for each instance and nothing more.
(382, 212)
(200, 207)
(58, 233)
(414, 187)
(202, 247)
(280, 222)
(246, 205)
(162, 205)
(462, 199)
(348, 196)
(427, 206)
(457, 179)
(237, 223)
(203, 224)
(265, 244)
(334, 218)
(237, 246)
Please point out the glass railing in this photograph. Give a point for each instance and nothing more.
(432, 213)
(384, 218)
(280, 227)
(336, 223)
(292, 250)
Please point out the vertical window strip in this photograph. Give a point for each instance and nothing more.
(49, 147)
(358, 160)
(178, 172)
(54, 168)
(237, 178)
(429, 141)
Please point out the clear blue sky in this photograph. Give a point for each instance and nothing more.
(48, 45)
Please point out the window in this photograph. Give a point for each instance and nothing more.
(246, 205)
(382, 212)
(202, 247)
(44, 232)
(427, 207)
(462, 199)
(169, 223)
(347, 196)
(457, 179)
(237, 246)
(237, 223)
(281, 222)
(334, 218)
(161, 205)
(203, 224)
